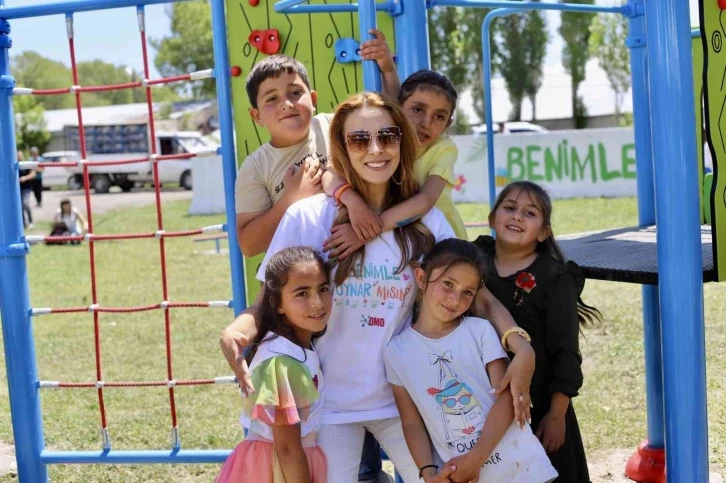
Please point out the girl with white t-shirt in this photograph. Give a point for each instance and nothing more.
(442, 369)
(373, 146)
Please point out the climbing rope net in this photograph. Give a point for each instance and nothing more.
(160, 234)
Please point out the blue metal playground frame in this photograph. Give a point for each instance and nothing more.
(665, 143)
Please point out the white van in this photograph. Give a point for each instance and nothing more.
(127, 176)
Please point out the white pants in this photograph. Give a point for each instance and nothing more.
(343, 445)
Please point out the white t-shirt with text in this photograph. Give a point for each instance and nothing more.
(448, 381)
(367, 311)
(260, 182)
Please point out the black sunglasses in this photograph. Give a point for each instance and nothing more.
(360, 141)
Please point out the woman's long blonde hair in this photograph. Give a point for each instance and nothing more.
(414, 239)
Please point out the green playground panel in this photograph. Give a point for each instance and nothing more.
(310, 38)
(697, 46)
(713, 36)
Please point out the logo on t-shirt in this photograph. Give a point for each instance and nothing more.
(461, 413)
(319, 156)
(372, 321)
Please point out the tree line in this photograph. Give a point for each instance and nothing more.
(519, 46)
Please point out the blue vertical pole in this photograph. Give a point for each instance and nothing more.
(17, 326)
(229, 160)
(412, 38)
(487, 55)
(668, 36)
(646, 216)
(418, 34)
(367, 21)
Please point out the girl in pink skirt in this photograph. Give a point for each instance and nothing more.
(283, 415)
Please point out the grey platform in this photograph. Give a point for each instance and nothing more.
(626, 254)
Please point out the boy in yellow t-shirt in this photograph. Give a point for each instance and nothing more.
(429, 100)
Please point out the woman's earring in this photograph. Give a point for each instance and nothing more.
(280, 311)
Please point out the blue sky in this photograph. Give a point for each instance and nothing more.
(110, 35)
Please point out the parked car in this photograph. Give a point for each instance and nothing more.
(127, 176)
(60, 177)
(511, 128)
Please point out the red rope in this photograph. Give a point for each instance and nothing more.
(110, 87)
(77, 385)
(122, 236)
(51, 92)
(128, 310)
(91, 248)
(160, 225)
(168, 80)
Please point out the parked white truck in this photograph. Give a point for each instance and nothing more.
(128, 141)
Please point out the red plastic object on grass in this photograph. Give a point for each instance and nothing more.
(647, 465)
(266, 41)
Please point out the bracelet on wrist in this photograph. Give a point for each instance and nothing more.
(420, 470)
(514, 330)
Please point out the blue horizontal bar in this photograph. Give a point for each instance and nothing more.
(284, 5)
(73, 6)
(331, 8)
(135, 457)
(569, 7)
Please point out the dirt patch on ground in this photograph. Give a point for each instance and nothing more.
(7, 459)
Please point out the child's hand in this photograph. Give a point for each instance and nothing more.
(519, 377)
(366, 224)
(342, 242)
(303, 184)
(430, 475)
(551, 431)
(468, 467)
(377, 49)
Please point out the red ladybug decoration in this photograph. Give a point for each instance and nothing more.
(266, 41)
(235, 71)
(722, 4)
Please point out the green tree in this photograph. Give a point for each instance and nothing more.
(512, 60)
(30, 128)
(536, 38)
(461, 123)
(189, 47)
(608, 34)
(32, 70)
(456, 49)
(575, 31)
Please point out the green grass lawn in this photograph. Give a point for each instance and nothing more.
(611, 407)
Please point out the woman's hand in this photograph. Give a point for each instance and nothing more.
(233, 344)
(551, 431)
(518, 378)
(342, 242)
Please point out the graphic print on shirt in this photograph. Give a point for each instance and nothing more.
(313, 156)
(375, 287)
(462, 415)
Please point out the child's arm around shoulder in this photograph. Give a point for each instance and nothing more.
(441, 157)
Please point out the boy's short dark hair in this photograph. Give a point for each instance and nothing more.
(270, 68)
(428, 79)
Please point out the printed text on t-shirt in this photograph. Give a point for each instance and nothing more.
(319, 156)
